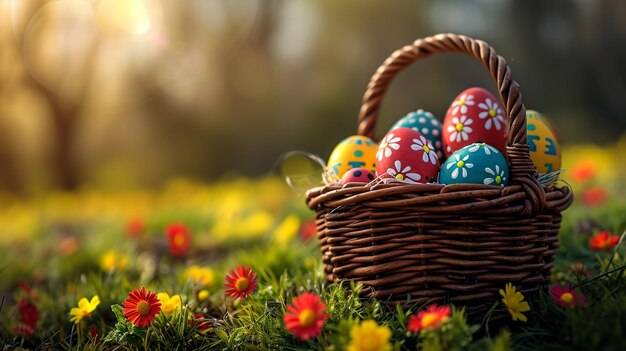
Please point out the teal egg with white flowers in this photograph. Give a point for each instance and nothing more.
(477, 163)
(425, 123)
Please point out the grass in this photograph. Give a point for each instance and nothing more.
(258, 223)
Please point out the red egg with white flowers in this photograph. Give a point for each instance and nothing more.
(475, 116)
(408, 156)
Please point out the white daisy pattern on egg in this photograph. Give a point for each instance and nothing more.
(460, 129)
(424, 144)
(461, 165)
(461, 104)
(497, 176)
(390, 143)
(493, 113)
(403, 174)
(487, 148)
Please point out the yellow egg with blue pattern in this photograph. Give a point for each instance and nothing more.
(545, 151)
(356, 151)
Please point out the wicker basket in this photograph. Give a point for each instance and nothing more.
(427, 242)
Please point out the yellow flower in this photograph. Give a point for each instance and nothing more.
(203, 295)
(287, 229)
(514, 301)
(369, 337)
(84, 309)
(169, 304)
(237, 225)
(112, 260)
(202, 275)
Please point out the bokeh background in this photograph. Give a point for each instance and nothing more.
(131, 93)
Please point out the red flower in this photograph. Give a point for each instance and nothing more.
(567, 297)
(431, 318)
(135, 227)
(305, 318)
(29, 314)
(93, 333)
(23, 284)
(178, 238)
(584, 170)
(594, 196)
(24, 329)
(604, 241)
(200, 323)
(141, 306)
(308, 229)
(241, 282)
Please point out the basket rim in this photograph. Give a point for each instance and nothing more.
(429, 197)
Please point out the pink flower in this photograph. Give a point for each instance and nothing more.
(567, 297)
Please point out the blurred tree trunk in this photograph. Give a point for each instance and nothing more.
(65, 116)
(607, 38)
(9, 174)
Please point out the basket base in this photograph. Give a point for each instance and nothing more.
(465, 260)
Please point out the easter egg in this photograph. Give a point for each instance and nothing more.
(356, 151)
(408, 156)
(477, 163)
(475, 116)
(425, 123)
(546, 119)
(542, 143)
(360, 175)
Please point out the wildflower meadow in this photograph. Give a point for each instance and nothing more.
(236, 265)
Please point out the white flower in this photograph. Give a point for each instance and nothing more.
(462, 103)
(402, 173)
(488, 148)
(498, 176)
(460, 130)
(461, 164)
(429, 151)
(389, 143)
(493, 113)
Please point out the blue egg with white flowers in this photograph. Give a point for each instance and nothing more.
(477, 163)
(425, 123)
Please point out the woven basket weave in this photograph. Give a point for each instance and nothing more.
(427, 242)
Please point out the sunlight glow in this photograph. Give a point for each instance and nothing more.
(129, 16)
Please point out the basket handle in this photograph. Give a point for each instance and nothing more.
(521, 168)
